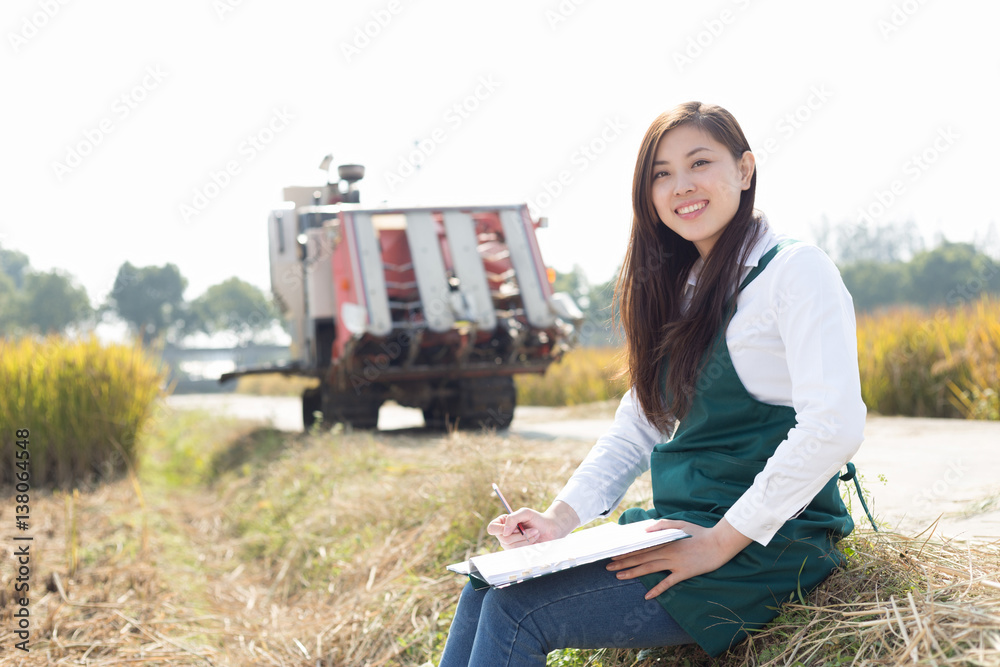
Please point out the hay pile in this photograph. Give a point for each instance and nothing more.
(906, 600)
(903, 601)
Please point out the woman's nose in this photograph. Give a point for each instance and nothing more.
(683, 185)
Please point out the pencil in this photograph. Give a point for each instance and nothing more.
(496, 490)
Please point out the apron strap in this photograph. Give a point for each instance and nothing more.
(852, 473)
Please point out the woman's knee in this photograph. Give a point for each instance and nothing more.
(468, 611)
(517, 614)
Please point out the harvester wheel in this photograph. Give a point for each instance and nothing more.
(477, 403)
(437, 417)
(312, 402)
(487, 402)
(358, 410)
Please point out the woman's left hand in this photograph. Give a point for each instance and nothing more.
(706, 550)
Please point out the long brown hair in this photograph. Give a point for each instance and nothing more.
(650, 287)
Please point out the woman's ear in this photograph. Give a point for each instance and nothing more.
(747, 163)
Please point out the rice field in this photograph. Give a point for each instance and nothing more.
(83, 405)
(584, 375)
(916, 363)
(87, 402)
(943, 363)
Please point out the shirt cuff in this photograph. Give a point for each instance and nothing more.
(753, 520)
(585, 501)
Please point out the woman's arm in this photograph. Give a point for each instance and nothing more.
(814, 315)
(618, 457)
(597, 486)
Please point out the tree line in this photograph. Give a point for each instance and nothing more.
(881, 266)
(149, 299)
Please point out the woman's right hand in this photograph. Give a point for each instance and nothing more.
(557, 521)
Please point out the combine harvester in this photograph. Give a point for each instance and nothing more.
(433, 307)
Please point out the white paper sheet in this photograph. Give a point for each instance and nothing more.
(584, 546)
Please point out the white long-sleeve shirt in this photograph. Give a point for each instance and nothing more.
(793, 342)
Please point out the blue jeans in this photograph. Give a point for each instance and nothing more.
(582, 607)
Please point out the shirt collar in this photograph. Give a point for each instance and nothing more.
(765, 241)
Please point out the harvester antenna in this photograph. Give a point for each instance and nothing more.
(325, 166)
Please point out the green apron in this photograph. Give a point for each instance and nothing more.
(716, 452)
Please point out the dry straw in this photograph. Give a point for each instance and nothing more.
(330, 551)
(903, 601)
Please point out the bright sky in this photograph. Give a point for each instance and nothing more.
(119, 114)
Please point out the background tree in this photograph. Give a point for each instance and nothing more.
(573, 283)
(599, 317)
(50, 302)
(8, 305)
(988, 240)
(952, 274)
(150, 298)
(875, 284)
(594, 301)
(14, 265)
(232, 305)
(848, 243)
(43, 302)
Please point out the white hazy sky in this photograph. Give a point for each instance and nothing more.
(117, 113)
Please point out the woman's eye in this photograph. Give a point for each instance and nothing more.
(660, 173)
(699, 162)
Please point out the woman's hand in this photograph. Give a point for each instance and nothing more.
(706, 550)
(557, 521)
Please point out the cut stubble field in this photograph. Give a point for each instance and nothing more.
(239, 544)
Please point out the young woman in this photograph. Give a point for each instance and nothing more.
(745, 404)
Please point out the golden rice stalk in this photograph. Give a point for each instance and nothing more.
(82, 403)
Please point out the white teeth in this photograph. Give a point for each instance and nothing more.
(692, 208)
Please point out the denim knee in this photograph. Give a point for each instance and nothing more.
(507, 616)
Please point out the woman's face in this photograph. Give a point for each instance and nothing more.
(697, 184)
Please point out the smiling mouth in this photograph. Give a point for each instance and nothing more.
(691, 208)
